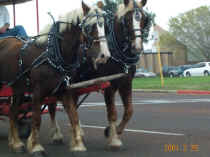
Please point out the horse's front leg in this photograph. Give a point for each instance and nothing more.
(55, 131)
(111, 131)
(15, 142)
(33, 144)
(126, 96)
(76, 138)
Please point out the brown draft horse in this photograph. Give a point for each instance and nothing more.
(47, 63)
(128, 25)
(128, 44)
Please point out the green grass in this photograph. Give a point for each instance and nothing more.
(185, 83)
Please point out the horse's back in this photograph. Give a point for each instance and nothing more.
(9, 52)
(8, 44)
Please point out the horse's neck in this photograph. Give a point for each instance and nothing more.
(71, 43)
(118, 31)
(70, 17)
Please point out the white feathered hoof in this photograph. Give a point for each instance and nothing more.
(18, 148)
(79, 148)
(115, 143)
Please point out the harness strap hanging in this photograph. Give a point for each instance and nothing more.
(120, 54)
(36, 63)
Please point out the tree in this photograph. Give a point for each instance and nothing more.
(193, 29)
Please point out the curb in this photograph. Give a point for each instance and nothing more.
(193, 92)
(181, 92)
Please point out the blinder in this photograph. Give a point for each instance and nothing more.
(87, 29)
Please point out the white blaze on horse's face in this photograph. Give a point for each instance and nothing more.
(105, 53)
(137, 30)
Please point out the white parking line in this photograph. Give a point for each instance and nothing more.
(136, 131)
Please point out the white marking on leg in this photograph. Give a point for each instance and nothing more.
(14, 140)
(30, 143)
(55, 132)
(114, 140)
(76, 140)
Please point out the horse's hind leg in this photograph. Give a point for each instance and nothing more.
(113, 138)
(55, 131)
(15, 142)
(126, 96)
(76, 137)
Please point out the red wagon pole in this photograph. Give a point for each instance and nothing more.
(37, 15)
(14, 14)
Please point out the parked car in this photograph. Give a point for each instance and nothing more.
(178, 71)
(166, 69)
(144, 73)
(175, 72)
(199, 69)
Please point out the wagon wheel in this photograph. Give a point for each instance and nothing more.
(24, 128)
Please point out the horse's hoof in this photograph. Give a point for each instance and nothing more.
(20, 149)
(107, 132)
(80, 148)
(39, 154)
(57, 142)
(115, 143)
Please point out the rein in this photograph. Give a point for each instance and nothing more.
(52, 56)
(121, 52)
(53, 51)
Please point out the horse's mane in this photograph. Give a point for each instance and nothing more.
(122, 9)
(70, 17)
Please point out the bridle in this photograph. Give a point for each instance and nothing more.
(87, 29)
(138, 16)
(121, 50)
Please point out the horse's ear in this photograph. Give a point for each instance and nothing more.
(85, 8)
(126, 2)
(100, 4)
(143, 3)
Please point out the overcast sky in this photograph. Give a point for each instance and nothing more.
(164, 9)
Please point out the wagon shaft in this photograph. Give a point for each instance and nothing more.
(96, 81)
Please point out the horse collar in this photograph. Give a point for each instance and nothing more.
(54, 56)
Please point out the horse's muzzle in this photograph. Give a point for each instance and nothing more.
(101, 59)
